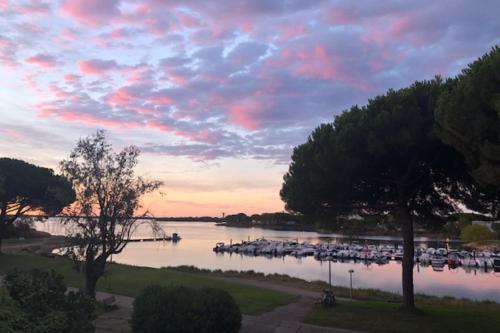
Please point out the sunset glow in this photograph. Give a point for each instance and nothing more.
(215, 93)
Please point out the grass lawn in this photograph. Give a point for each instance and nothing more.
(130, 280)
(383, 316)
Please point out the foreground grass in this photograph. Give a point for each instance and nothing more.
(380, 316)
(379, 311)
(131, 280)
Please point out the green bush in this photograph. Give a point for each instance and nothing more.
(12, 318)
(182, 310)
(38, 300)
(476, 233)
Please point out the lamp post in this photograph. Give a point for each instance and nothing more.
(330, 273)
(351, 271)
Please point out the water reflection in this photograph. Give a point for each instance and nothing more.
(198, 239)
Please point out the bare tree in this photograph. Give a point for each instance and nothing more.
(107, 198)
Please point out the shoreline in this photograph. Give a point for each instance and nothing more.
(37, 245)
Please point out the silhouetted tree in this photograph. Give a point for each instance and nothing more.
(26, 188)
(382, 158)
(468, 117)
(107, 197)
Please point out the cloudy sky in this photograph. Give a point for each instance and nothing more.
(215, 93)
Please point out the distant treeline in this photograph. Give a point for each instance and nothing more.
(190, 219)
(264, 218)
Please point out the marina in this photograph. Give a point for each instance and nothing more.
(379, 254)
(199, 239)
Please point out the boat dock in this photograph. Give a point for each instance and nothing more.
(379, 254)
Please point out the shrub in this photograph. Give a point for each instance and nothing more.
(12, 318)
(476, 233)
(41, 298)
(183, 309)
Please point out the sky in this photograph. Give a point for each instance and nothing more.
(215, 93)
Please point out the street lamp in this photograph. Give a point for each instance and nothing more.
(351, 271)
(330, 273)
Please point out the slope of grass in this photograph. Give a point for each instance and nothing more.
(130, 280)
(380, 316)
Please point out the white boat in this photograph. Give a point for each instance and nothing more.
(438, 261)
(425, 258)
(496, 262)
(441, 251)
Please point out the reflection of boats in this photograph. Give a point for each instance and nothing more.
(468, 262)
(483, 262)
(496, 264)
(453, 260)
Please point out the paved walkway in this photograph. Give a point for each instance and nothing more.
(283, 319)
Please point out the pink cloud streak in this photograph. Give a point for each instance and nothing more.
(97, 66)
(42, 60)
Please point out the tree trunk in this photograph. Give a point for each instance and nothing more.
(94, 269)
(3, 214)
(408, 257)
(90, 282)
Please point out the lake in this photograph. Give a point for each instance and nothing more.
(199, 238)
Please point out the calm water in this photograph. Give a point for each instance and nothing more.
(198, 239)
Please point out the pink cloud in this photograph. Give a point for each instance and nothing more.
(374, 36)
(143, 110)
(153, 17)
(13, 134)
(122, 97)
(160, 126)
(93, 13)
(400, 27)
(8, 51)
(317, 64)
(247, 113)
(97, 66)
(69, 78)
(189, 21)
(58, 92)
(160, 100)
(42, 60)
(46, 111)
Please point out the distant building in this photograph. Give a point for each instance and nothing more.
(487, 224)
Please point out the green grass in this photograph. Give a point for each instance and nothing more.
(380, 316)
(130, 280)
